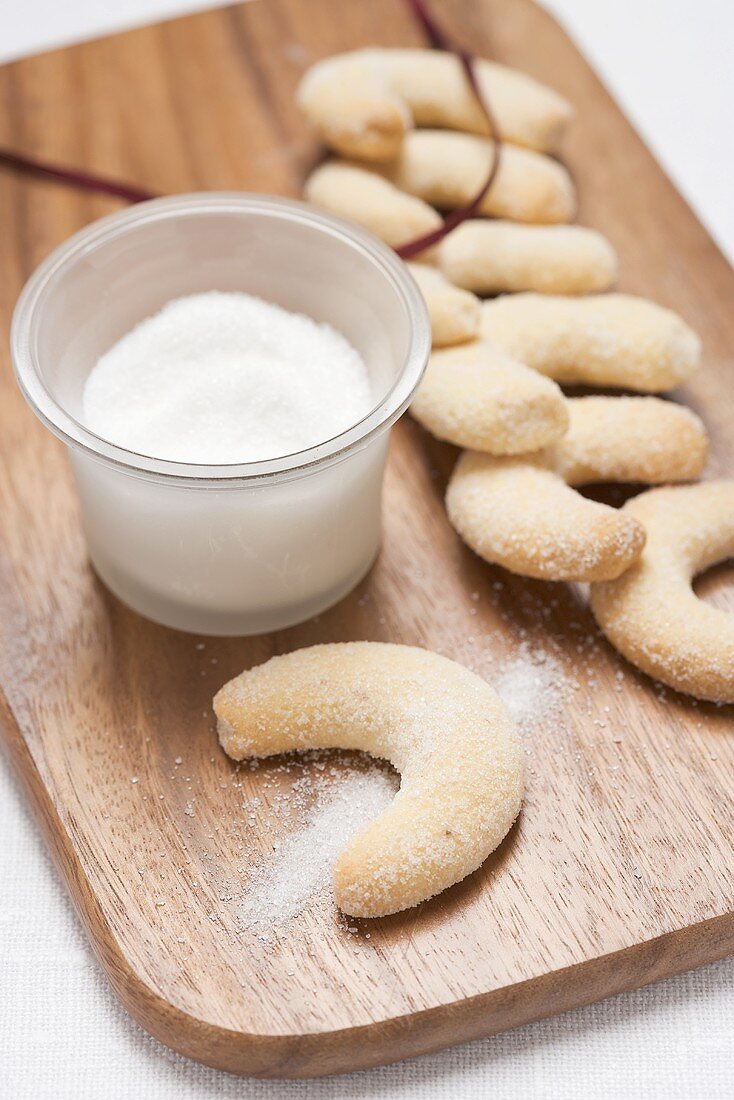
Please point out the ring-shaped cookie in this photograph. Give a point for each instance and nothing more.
(523, 513)
(652, 615)
(443, 728)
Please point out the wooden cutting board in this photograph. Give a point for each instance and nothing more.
(619, 871)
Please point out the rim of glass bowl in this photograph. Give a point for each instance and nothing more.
(74, 434)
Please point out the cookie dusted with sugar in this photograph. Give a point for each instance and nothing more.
(652, 615)
(602, 340)
(447, 170)
(366, 197)
(497, 257)
(444, 729)
(455, 314)
(362, 103)
(475, 396)
(523, 513)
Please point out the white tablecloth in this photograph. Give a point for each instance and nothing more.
(63, 1034)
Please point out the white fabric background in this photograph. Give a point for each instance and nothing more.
(63, 1034)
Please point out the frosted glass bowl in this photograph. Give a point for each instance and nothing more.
(223, 549)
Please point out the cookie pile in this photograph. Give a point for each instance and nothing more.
(409, 140)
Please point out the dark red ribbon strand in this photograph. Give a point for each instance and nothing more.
(432, 31)
(440, 42)
(85, 181)
(90, 181)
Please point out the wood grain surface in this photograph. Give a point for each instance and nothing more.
(619, 871)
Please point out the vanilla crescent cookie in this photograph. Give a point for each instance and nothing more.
(495, 257)
(447, 170)
(455, 314)
(652, 615)
(366, 197)
(363, 102)
(474, 395)
(523, 513)
(602, 340)
(443, 728)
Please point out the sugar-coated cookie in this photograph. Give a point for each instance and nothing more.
(363, 102)
(652, 615)
(443, 728)
(523, 513)
(351, 191)
(447, 170)
(602, 340)
(475, 396)
(490, 256)
(455, 314)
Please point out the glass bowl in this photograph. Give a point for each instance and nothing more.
(223, 549)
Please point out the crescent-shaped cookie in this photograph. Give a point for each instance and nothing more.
(601, 340)
(523, 513)
(475, 396)
(455, 314)
(490, 256)
(652, 615)
(362, 103)
(443, 728)
(351, 191)
(447, 170)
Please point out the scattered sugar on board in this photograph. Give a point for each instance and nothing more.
(281, 886)
(533, 685)
(223, 378)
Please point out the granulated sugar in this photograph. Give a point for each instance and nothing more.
(223, 378)
(532, 685)
(281, 886)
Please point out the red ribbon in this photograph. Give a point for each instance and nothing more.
(439, 41)
(85, 181)
(90, 181)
